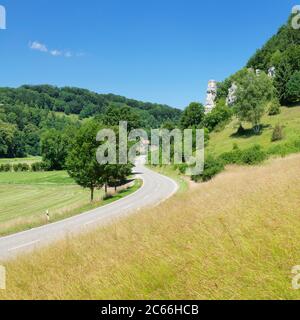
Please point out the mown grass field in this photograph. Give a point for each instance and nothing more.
(223, 141)
(235, 237)
(25, 197)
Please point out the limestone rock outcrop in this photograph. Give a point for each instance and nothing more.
(211, 96)
(231, 98)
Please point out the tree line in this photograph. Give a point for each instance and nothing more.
(82, 102)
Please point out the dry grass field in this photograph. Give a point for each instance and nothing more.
(235, 237)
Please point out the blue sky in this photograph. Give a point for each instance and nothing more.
(153, 50)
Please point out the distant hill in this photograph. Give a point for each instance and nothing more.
(84, 103)
(29, 111)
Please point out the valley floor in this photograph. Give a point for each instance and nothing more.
(26, 196)
(235, 237)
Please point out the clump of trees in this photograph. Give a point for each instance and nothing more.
(82, 164)
(54, 146)
(253, 95)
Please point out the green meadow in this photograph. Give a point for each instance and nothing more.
(25, 197)
(289, 119)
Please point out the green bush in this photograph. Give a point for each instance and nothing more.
(250, 156)
(254, 155)
(232, 157)
(274, 108)
(36, 167)
(218, 118)
(277, 134)
(212, 167)
(24, 167)
(21, 167)
(46, 166)
(7, 167)
(16, 167)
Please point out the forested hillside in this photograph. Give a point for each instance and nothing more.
(282, 51)
(28, 112)
(81, 102)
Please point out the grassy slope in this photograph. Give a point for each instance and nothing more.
(234, 237)
(223, 141)
(25, 197)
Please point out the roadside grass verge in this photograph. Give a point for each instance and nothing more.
(234, 237)
(171, 172)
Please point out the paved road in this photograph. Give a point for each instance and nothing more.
(156, 188)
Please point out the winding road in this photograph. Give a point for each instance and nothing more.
(155, 189)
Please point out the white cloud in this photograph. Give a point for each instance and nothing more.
(55, 53)
(35, 45)
(38, 46)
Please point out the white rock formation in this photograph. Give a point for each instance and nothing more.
(211, 96)
(231, 98)
(272, 72)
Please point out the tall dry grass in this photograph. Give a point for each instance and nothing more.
(236, 237)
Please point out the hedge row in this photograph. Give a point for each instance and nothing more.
(22, 167)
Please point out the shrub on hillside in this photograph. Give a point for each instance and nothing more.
(253, 155)
(232, 157)
(212, 167)
(277, 134)
(250, 156)
(274, 108)
(218, 118)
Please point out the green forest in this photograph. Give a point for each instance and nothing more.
(29, 114)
